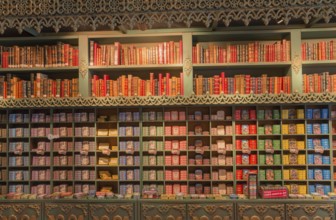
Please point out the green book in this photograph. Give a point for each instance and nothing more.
(276, 129)
(261, 144)
(276, 144)
(262, 159)
(261, 114)
(261, 130)
(276, 114)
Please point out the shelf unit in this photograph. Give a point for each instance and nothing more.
(196, 150)
(126, 143)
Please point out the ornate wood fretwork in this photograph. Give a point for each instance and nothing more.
(111, 210)
(165, 210)
(187, 69)
(140, 14)
(66, 211)
(211, 210)
(20, 211)
(310, 210)
(295, 98)
(278, 211)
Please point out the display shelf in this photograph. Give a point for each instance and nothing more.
(221, 144)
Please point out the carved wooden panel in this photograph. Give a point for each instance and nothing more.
(310, 211)
(161, 211)
(66, 211)
(108, 211)
(134, 14)
(260, 211)
(20, 211)
(224, 99)
(211, 211)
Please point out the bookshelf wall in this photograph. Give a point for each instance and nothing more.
(155, 64)
(193, 149)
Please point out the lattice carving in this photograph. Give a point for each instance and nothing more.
(94, 14)
(18, 211)
(262, 210)
(296, 64)
(83, 68)
(66, 208)
(187, 68)
(210, 209)
(165, 100)
(310, 210)
(164, 209)
(111, 209)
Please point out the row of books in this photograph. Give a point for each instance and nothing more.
(129, 85)
(39, 86)
(318, 50)
(41, 175)
(152, 160)
(3, 176)
(3, 161)
(153, 175)
(318, 159)
(129, 160)
(135, 54)
(41, 189)
(18, 118)
(3, 133)
(63, 174)
(176, 115)
(242, 84)
(319, 82)
(59, 55)
(258, 51)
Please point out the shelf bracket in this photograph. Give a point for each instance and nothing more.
(313, 22)
(31, 31)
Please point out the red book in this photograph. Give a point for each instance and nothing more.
(167, 84)
(117, 53)
(5, 90)
(216, 89)
(223, 81)
(143, 87)
(171, 52)
(94, 89)
(152, 86)
(62, 89)
(331, 49)
(104, 85)
(53, 88)
(247, 84)
(66, 55)
(131, 87)
(160, 85)
(167, 53)
(164, 53)
(182, 83)
(75, 57)
(5, 59)
(181, 52)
